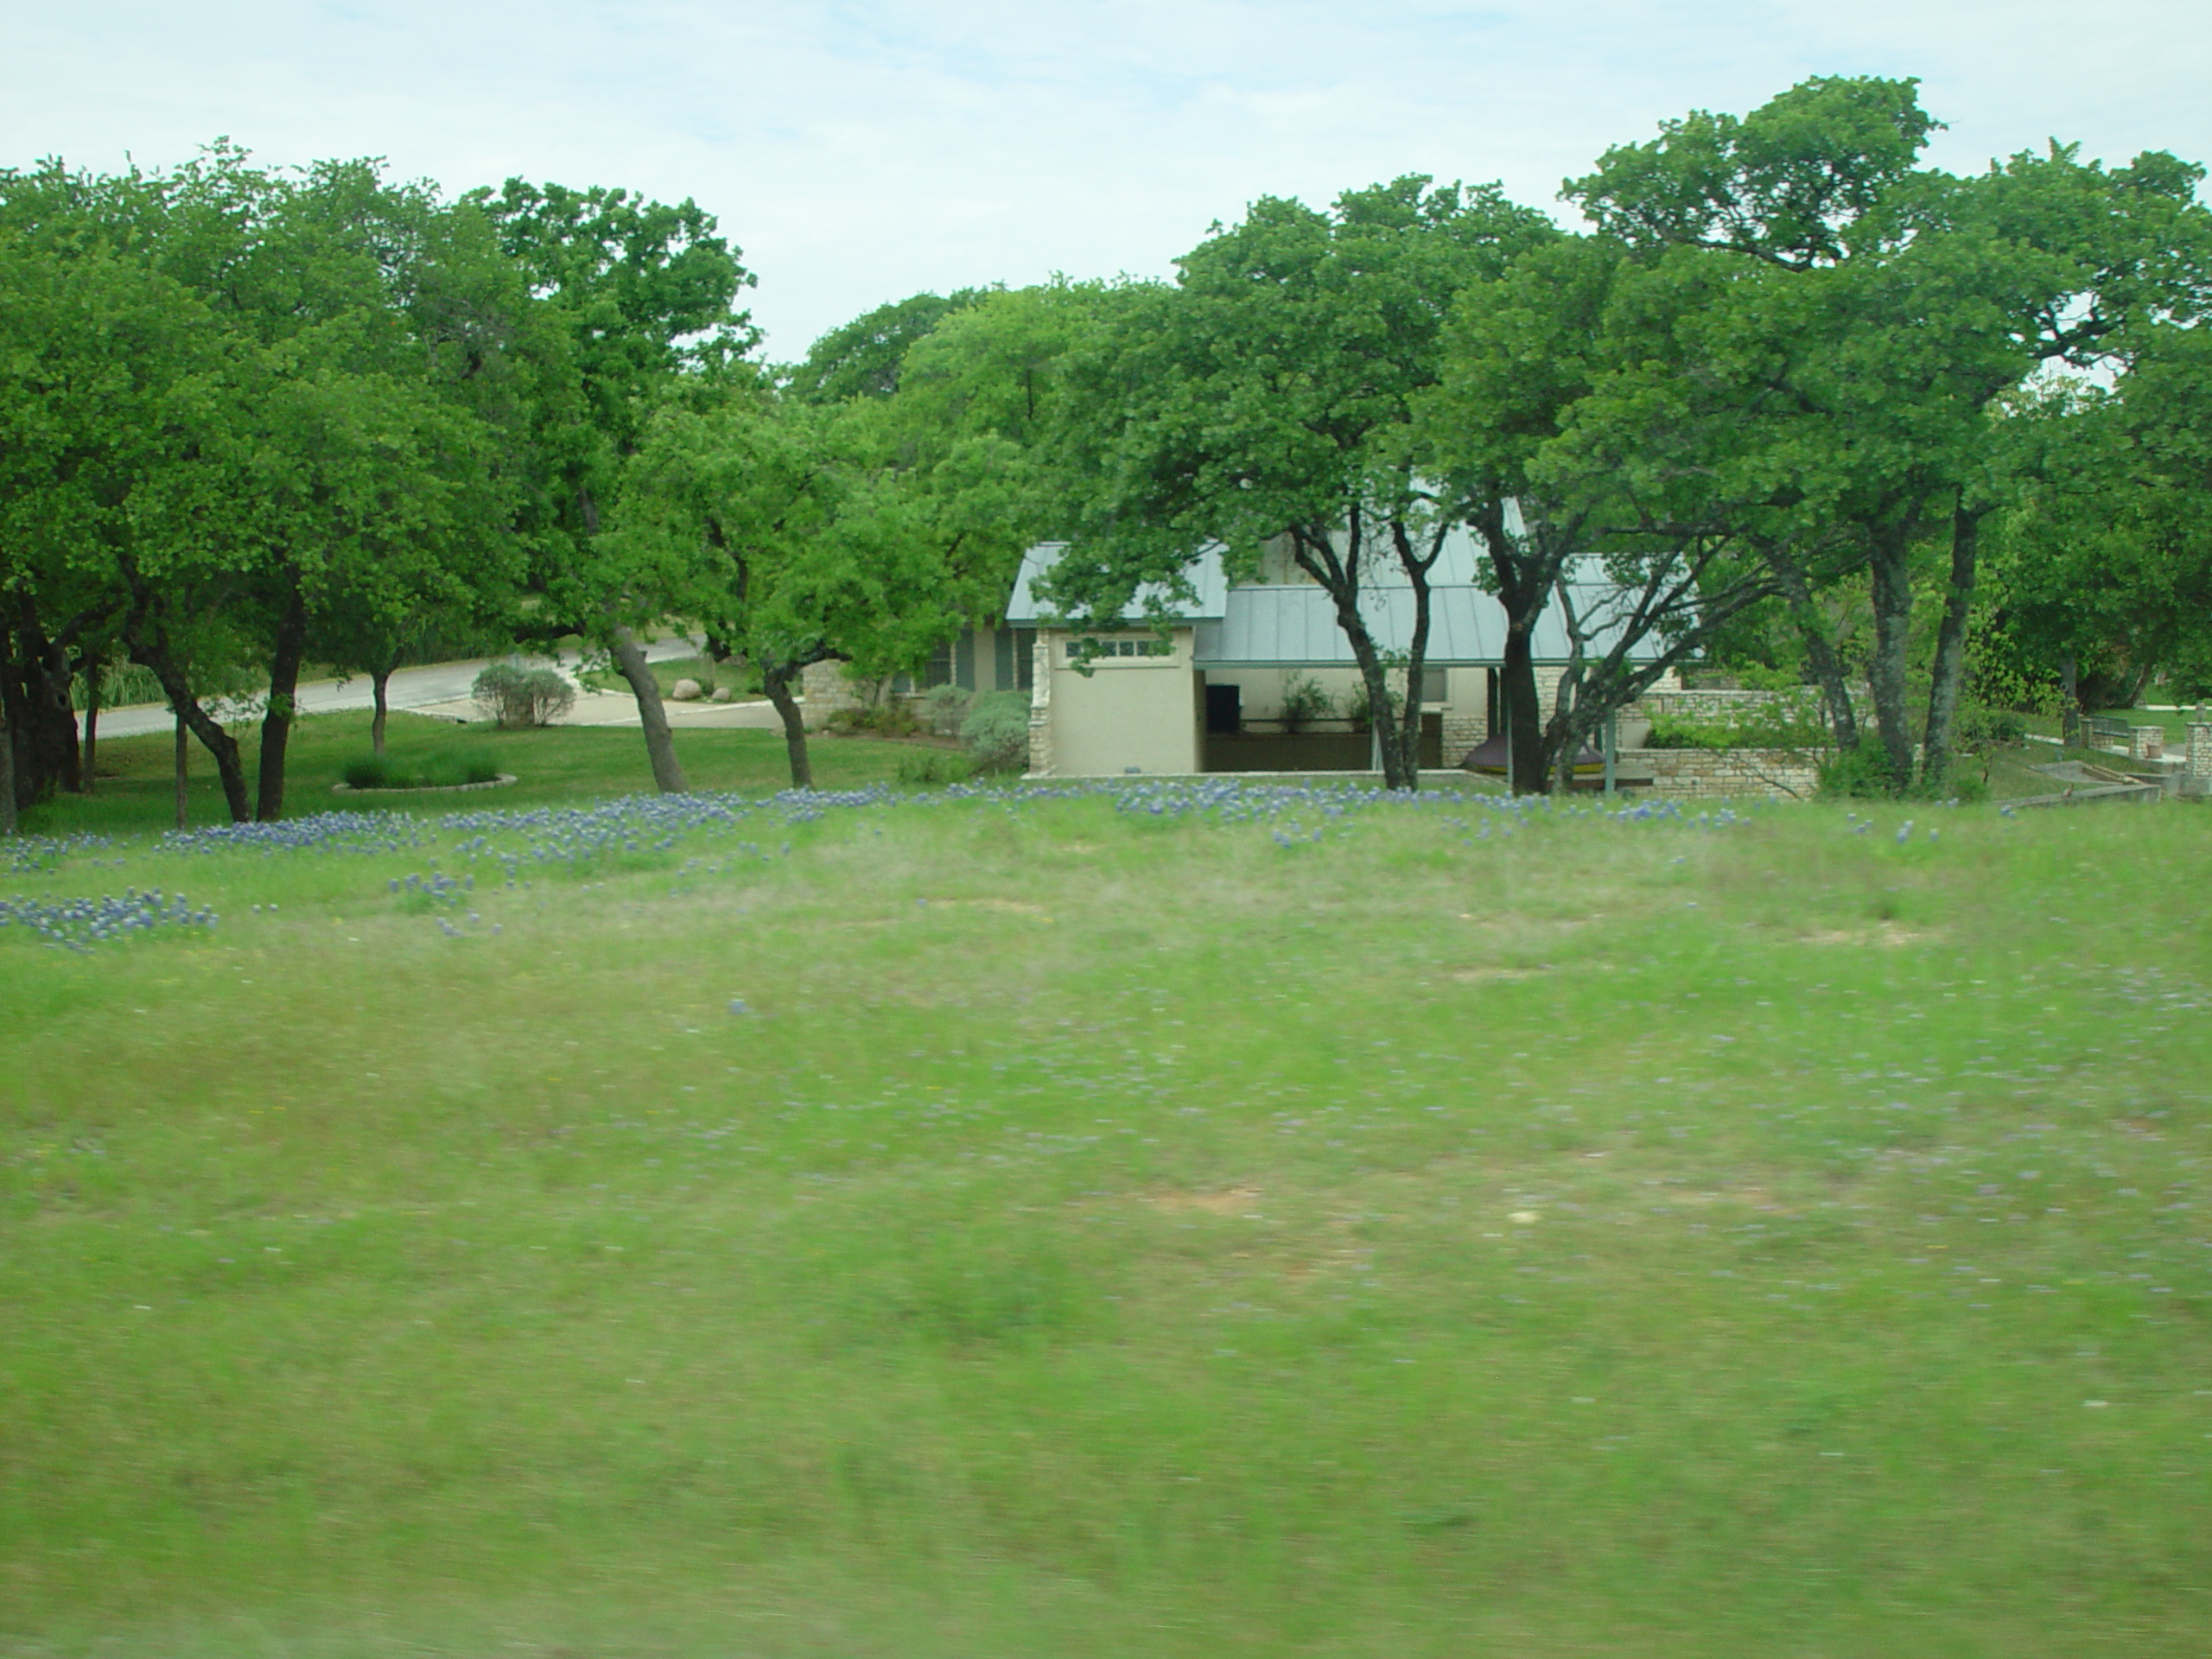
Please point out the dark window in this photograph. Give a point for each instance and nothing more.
(1015, 649)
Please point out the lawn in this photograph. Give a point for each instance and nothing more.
(743, 680)
(1099, 1224)
(136, 789)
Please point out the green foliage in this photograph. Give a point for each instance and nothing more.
(516, 696)
(1359, 705)
(864, 357)
(893, 717)
(1305, 700)
(935, 766)
(444, 771)
(944, 708)
(996, 731)
(1863, 774)
(121, 685)
(1786, 720)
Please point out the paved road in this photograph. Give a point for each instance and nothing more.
(410, 688)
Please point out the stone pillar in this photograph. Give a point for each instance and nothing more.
(2197, 771)
(2147, 742)
(1040, 705)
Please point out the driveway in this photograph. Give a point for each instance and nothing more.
(441, 689)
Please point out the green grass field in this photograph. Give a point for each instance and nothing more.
(1427, 1229)
(135, 790)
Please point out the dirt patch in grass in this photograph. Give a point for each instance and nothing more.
(1888, 935)
(1006, 907)
(1227, 1201)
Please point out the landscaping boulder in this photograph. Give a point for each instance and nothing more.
(719, 694)
(685, 692)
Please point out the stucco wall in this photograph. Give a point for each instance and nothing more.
(1128, 712)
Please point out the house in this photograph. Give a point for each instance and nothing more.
(1221, 692)
(1236, 676)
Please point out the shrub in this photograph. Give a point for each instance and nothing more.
(1857, 774)
(936, 767)
(371, 772)
(1782, 721)
(944, 708)
(891, 718)
(516, 696)
(1304, 701)
(996, 731)
(439, 772)
(1360, 710)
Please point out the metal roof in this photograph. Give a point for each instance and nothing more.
(1294, 626)
(1206, 574)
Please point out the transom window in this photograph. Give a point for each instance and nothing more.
(1079, 648)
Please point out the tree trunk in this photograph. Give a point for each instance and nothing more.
(1885, 674)
(1339, 579)
(7, 774)
(48, 757)
(2069, 702)
(1344, 592)
(777, 682)
(1524, 726)
(378, 681)
(660, 745)
(88, 764)
(1949, 673)
(1407, 731)
(230, 766)
(276, 721)
(183, 773)
(1820, 654)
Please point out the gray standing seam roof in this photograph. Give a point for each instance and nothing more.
(1295, 626)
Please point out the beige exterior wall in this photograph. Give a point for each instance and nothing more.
(1141, 713)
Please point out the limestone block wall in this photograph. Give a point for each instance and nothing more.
(1743, 774)
(1464, 730)
(1720, 705)
(2147, 742)
(2199, 764)
(826, 690)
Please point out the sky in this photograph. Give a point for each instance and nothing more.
(861, 151)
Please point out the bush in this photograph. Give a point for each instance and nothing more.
(996, 731)
(439, 772)
(945, 707)
(1360, 710)
(121, 685)
(891, 718)
(1304, 701)
(1862, 773)
(516, 696)
(1783, 721)
(936, 767)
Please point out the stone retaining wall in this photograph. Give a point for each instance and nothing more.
(1769, 774)
(1717, 705)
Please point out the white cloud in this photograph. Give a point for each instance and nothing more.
(861, 151)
